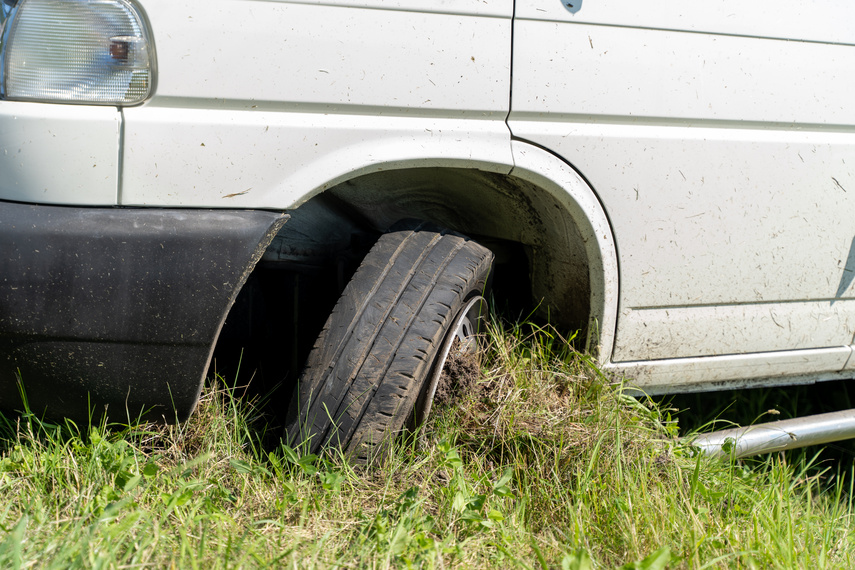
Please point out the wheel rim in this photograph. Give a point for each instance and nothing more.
(465, 328)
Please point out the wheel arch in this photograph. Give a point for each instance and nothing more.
(539, 205)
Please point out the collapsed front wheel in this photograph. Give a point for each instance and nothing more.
(418, 289)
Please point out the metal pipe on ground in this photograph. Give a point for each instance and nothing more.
(780, 435)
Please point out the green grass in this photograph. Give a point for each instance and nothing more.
(545, 465)
(721, 410)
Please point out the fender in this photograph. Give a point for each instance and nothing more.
(537, 200)
(281, 159)
(231, 158)
(562, 182)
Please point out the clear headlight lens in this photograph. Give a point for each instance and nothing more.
(75, 51)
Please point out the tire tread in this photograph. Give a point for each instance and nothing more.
(373, 354)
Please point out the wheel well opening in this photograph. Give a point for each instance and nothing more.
(530, 232)
(541, 266)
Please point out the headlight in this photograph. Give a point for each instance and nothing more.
(75, 51)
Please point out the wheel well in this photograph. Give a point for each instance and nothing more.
(540, 254)
(541, 264)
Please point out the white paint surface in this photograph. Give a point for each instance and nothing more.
(263, 104)
(723, 159)
(246, 159)
(621, 73)
(495, 8)
(734, 371)
(321, 58)
(827, 21)
(58, 154)
(684, 331)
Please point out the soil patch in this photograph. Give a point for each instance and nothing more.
(459, 377)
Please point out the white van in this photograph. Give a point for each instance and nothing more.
(676, 179)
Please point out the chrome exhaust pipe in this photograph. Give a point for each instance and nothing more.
(778, 436)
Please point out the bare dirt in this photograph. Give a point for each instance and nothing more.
(459, 378)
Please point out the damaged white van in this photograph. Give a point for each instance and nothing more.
(343, 182)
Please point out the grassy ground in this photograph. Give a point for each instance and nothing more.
(721, 410)
(542, 464)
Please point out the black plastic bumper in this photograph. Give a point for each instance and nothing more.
(118, 308)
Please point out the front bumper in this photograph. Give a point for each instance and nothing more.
(118, 309)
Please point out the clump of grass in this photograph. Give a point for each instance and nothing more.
(545, 463)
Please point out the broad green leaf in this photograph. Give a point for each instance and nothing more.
(580, 560)
(495, 515)
(240, 466)
(150, 470)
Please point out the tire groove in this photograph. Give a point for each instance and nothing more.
(314, 406)
(369, 362)
(376, 332)
(425, 296)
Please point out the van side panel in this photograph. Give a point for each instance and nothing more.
(263, 103)
(723, 155)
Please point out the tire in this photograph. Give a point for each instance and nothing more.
(384, 339)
